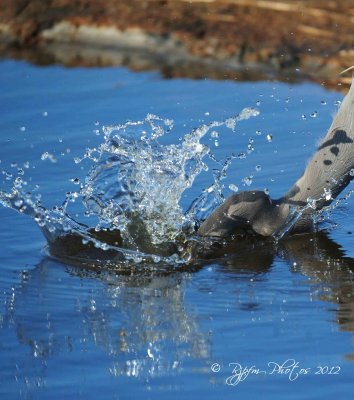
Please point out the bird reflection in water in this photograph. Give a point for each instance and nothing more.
(141, 318)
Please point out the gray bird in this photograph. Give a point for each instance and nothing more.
(330, 170)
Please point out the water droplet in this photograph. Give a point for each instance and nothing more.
(207, 113)
(266, 190)
(258, 133)
(13, 165)
(22, 209)
(258, 168)
(269, 137)
(303, 117)
(48, 156)
(18, 203)
(337, 103)
(214, 134)
(45, 114)
(327, 194)
(187, 257)
(311, 203)
(76, 181)
(247, 180)
(314, 114)
(92, 305)
(8, 175)
(258, 103)
(323, 102)
(216, 143)
(233, 187)
(351, 172)
(97, 123)
(156, 259)
(23, 128)
(287, 100)
(230, 123)
(104, 246)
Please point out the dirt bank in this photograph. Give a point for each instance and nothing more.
(240, 39)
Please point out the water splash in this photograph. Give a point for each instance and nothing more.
(132, 192)
(134, 188)
(318, 217)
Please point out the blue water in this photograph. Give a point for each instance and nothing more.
(70, 331)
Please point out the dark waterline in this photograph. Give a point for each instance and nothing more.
(86, 333)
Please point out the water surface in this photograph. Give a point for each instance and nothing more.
(91, 333)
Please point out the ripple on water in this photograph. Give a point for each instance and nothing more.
(145, 331)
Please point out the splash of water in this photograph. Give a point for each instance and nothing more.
(134, 187)
(319, 216)
(133, 192)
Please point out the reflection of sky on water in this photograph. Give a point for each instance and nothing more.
(142, 324)
(103, 335)
(151, 326)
